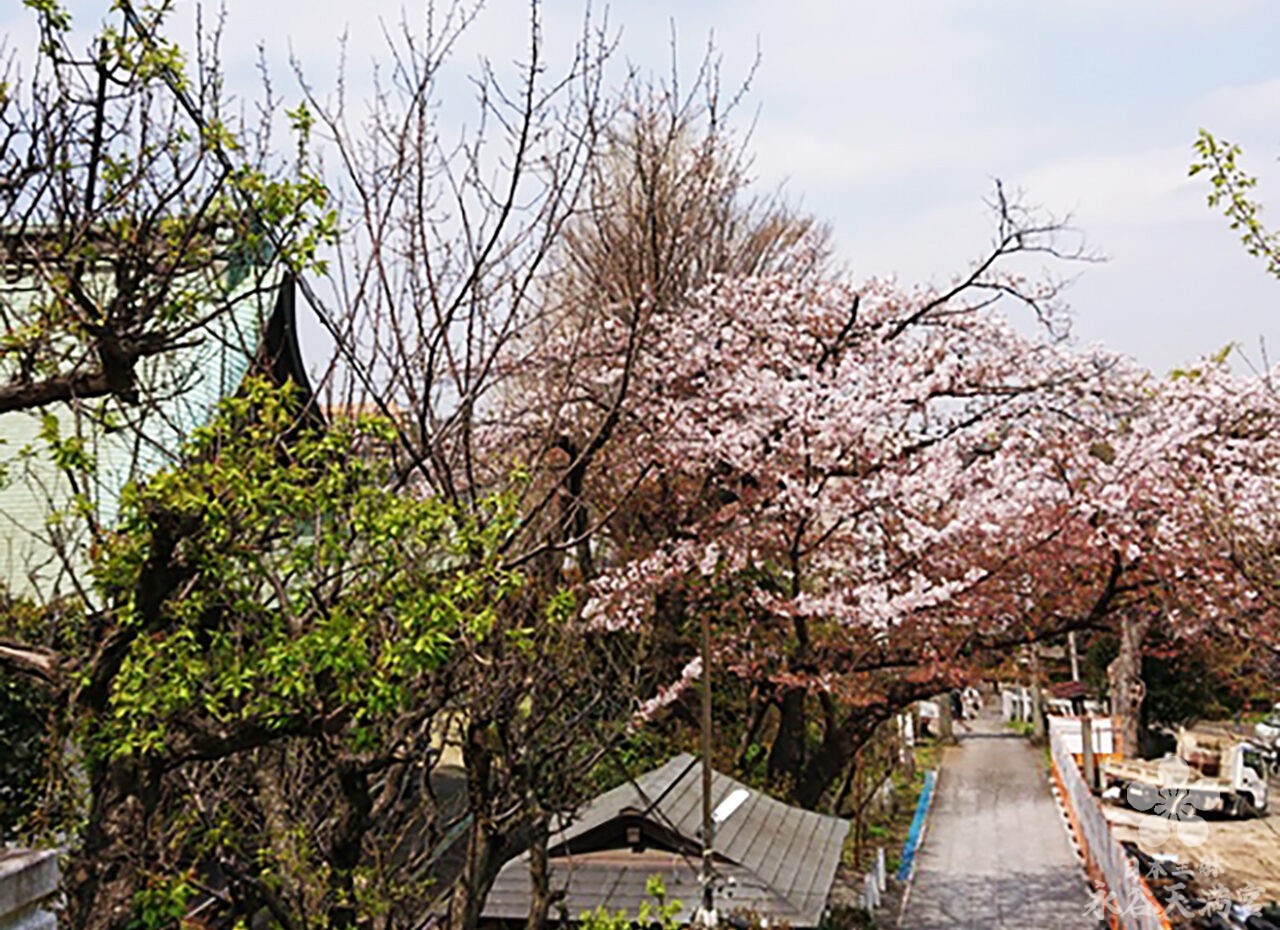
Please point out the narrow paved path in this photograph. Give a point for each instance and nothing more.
(996, 854)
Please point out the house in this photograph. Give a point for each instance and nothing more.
(252, 329)
(771, 860)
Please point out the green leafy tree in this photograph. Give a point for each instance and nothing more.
(237, 714)
(257, 681)
(658, 912)
(129, 198)
(1230, 191)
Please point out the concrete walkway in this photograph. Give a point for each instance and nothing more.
(996, 854)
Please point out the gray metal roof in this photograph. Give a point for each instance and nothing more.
(772, 858)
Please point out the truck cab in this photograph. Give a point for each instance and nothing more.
(1268, 731)
(1249, 780)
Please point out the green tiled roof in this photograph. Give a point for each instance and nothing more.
(180, 390)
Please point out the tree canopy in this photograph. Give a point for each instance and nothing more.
(588, 387)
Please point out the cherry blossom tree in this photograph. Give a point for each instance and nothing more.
(1199, 521)
(792, 449)
(871, 486)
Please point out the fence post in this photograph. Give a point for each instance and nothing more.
(1086, 746)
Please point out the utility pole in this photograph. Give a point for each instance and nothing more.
(707, 915)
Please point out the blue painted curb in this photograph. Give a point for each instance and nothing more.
(917, 826)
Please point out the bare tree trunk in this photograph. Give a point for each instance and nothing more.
(844, 735)
(345, 848)
(786, 755)
(1127, 689)
(539, 875)
(760, 705)
(839, 747)
(466, 901)
(1038, 724)
(859, 814)
(846, 786)
(104, 875)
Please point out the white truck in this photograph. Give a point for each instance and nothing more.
(1213, 770)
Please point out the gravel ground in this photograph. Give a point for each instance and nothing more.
(1247, 850)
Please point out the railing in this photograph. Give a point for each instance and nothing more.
(1015, 703)
(1121, 897)
(915, 835)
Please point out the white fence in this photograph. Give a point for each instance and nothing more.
(874, 883)
(28, 882)
(1127, 904)
(1070, 732)
(1015, 703)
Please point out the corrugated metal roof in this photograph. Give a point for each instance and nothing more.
(772, 857)
(617, 883)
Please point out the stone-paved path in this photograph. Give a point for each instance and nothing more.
(996, 854)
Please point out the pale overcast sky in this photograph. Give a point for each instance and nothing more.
(890, 120)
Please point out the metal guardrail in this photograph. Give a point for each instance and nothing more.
(1125, 902)
(916, 832)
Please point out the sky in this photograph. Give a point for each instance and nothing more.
(891, 120)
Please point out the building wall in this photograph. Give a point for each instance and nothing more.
(41, 551)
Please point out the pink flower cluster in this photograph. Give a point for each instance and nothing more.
(886, 467)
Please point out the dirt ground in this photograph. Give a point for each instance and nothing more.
(1248, 850)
